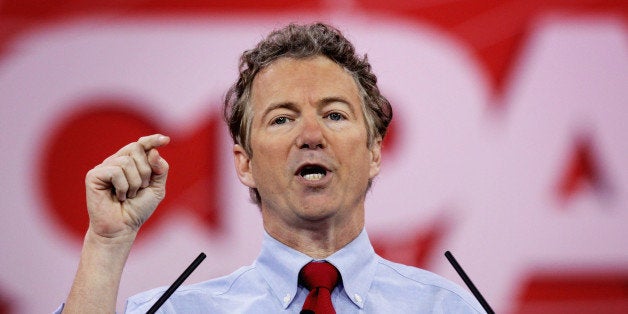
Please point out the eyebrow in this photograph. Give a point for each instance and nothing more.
(285, 105)
(327, 100)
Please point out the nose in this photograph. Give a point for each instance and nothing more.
(311, 134)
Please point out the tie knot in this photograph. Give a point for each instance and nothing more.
(319, 275)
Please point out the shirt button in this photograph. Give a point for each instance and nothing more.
(286, 299)
(358, 298)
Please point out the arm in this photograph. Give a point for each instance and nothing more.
(122, 192)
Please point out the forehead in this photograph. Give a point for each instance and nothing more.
(308, 79)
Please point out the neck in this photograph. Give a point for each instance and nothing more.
(318, 239)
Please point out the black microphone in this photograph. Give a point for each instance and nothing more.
(188, 271)
(469, 283)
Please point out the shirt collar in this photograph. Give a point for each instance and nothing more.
(280, 266)
(356, 263)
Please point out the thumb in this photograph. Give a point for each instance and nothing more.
(159, 167)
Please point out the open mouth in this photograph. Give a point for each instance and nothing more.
(312, 172)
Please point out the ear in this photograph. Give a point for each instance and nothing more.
(243, 166)
(376, 157)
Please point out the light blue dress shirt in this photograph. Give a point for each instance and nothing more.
(370, 284)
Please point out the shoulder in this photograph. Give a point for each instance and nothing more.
(410, 275)
(205, 293)
(423, 285)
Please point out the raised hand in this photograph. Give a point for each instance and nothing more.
(125, 189)
(122, 192)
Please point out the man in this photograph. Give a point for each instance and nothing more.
(307, 121)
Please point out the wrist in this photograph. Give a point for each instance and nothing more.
(120, 242)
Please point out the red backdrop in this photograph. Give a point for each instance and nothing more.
(508, 145)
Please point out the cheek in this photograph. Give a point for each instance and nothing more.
(268, 159)
(359, 159)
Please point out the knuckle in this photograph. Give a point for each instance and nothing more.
(131, 148)
(136, 147)
(90, 175)
(127, 161)
(143, 138)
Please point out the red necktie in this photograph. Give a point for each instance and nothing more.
(321, 279)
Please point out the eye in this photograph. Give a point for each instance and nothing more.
(335, 116)
(280, 120)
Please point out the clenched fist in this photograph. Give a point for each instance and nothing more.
(125, 189)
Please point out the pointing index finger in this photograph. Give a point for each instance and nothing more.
(153, 141)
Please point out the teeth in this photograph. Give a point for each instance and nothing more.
(313, 176)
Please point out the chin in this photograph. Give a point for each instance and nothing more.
(317, 212)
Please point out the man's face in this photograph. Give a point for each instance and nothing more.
(310, 160)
